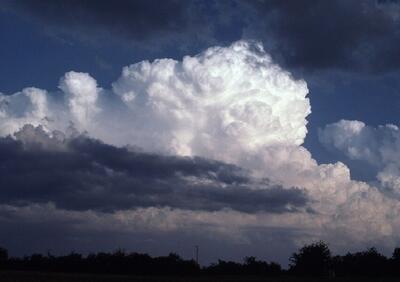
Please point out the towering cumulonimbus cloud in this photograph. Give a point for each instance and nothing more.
(221, 101)
(231, 104)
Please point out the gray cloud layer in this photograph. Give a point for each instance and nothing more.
(82, 174)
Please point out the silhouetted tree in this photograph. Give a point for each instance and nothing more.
(225, 267)
(395, 262)
(312, 260)
(396, 254)
(3, 254)
(258, 267)
(3, 257)
(366, 263)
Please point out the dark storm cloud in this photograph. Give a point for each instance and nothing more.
(137, 21)
(83, 174)
(348, 35)
(360, 36)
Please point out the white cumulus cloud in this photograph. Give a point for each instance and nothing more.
(378, 146)
(28, 106)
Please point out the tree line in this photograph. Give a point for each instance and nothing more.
(311, 260)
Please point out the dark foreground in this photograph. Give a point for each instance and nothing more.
(314, 260)
(27, 276)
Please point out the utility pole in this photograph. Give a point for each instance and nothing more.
(197, 254)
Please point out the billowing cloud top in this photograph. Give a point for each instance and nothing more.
(82, 93)
(222, 100)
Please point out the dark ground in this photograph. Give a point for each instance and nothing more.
(26, 276)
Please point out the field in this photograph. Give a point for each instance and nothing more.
(21, 276)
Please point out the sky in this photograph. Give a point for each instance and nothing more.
(244, 127)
